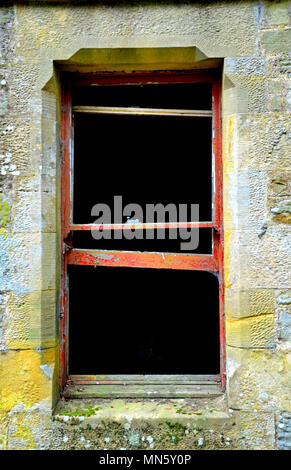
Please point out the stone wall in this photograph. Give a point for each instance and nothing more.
(253, 39)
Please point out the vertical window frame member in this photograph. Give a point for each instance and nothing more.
(211, 263)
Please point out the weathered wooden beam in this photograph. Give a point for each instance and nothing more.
(144, 379)
(141, 226)
(142, 111)
(141, 259)
(142, 391)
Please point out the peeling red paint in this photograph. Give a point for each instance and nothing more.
(142, 260)
(212, 263)
(145, 226)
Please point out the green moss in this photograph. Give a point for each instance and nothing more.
(80, 412)
(4, 212)
(177, 432)
(183, 412)
(176, 426)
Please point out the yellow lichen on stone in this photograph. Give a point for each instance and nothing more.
(22, 379)
(228, 259)
(229, 134)
(247, 303)
(23, 438)
(251, 332)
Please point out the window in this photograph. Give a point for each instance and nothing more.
(142, 298)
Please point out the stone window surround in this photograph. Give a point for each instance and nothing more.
(114, 60)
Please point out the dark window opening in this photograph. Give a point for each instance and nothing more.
(84, 239)
(144, 159)
(155, 311)
(143, 321)
(167, 96)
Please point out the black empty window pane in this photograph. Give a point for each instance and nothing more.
(145, 159)
(142, 321)
(84, 239)
(168, 96)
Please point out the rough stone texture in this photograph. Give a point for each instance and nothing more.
(255, 332)
(284, 326)
(259, 379)
(253, 39)
(283, 427)
(156, 424)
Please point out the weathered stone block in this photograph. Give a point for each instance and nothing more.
(34, 211)
(48, 261)
(17, 273)
(3, 103)
(277, 91)
(257, 142)
(26, 212)
(49, 106)
(249, 91)
(150, 25)
(6, 15)
(245, 196)
(24, 379)
(18, 157)
(279, 183)
(30, 321)
(25, 425)
(276, 13)
(282, 212)
(251, 332)
(231, 276)
(276, 42)
(283, 431)
(284, 326)
(245, 66)
(257, 430)
(256, 261)
(49, 212)
(28, 262)
(3, 430)
(258, 380)
(248, 303)
(284, 298)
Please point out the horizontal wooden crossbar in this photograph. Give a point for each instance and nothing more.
(141, 259)
(141, 226)
(142, 111)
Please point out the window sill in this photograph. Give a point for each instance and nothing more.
(143, 387)
(203, 414)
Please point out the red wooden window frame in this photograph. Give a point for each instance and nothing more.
(211, 263)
